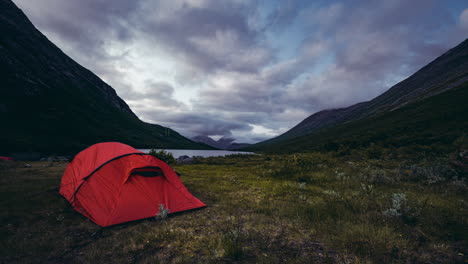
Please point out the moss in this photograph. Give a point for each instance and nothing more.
(327, 208)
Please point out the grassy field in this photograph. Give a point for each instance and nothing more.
(303, 208)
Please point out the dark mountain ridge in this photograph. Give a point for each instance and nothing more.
(50, 103)
(447, 72)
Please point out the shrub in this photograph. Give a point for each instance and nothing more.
(197, 160)
(432, 174)
(377, 242)
(399, 205)
(233, 238)
(163, 155)
(162, 214)
(232, 244)
(6, 165)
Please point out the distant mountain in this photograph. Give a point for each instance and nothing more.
(50, 103)
(222, 143)
(238, 146)
(205, 140)
(439, 79)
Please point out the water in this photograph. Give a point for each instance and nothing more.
(196, 152)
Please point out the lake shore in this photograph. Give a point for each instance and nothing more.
(199, 153)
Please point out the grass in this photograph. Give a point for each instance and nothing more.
(302, 208)
(433, 125)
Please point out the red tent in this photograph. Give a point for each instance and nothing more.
(112, 183)
(6, 158)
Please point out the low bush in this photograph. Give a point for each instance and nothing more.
(163, 155)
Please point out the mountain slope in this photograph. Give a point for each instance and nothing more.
(433, 124)
(50, 103)
(446, 73)
(222, 143)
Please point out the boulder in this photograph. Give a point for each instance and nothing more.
(185, 159)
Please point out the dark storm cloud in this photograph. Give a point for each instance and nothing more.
(396, 34)
(85, 24)
(347, 52)
(158, 94)
(197, 124)
(158, 105)
(210, 36)
(375, 44)
(83, 29)
(213, 36)
(205, 125)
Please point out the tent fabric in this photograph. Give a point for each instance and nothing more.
(112, 183)
(6, 158)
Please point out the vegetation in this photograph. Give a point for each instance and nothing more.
(386, 189)
(65, 134)
(300, 208)
(163, 155)
(433, 125)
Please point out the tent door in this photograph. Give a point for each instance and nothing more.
(147, 172)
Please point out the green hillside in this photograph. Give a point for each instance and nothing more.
(432, 124)
(391, 119)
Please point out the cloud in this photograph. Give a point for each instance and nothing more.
(198, 123)
(210, 36)
(464, 19)
(248, 69)
(159, 95)
(374, 45)
(85, 26)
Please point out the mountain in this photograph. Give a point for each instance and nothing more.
(446, 78)
(205, 140)
(222, 143)
(238, 146)
(50, 103)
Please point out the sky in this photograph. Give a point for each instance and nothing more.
(248, 70)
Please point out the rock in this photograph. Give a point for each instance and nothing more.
(185, 159)
(64, 158)
(460, 162)
(27, 165)
(57, 159)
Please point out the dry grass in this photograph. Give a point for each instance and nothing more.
(320, 210)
